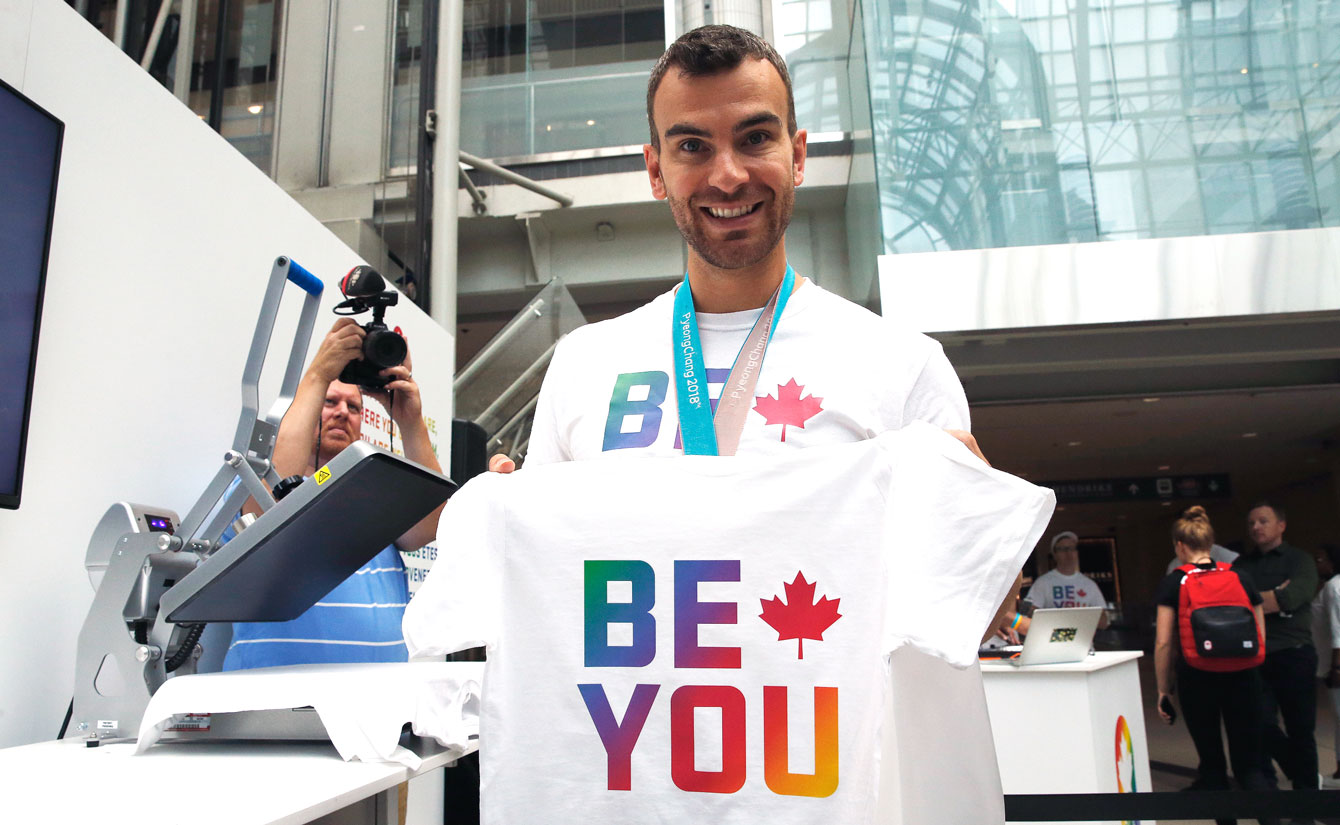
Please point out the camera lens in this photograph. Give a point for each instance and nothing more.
(384, 348)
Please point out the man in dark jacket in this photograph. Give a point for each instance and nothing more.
(1288, 580)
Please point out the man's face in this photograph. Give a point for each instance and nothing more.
(1066, 554)
(726, 164)
(341, 417)
(1265, 527)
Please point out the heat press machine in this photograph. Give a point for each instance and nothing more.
(160, 579)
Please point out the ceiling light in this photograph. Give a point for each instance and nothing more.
(1073, 443)
(548, 127)
(1165, 466)
(1249, 435)
(590, 123)
(1150, 400)
(255, 108)
(1166, 503)
(1243, 70)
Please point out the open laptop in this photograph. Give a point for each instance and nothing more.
(1056, 636)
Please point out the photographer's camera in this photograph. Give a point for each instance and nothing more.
(364, 289)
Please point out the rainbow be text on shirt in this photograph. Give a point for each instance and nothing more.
(620, 737)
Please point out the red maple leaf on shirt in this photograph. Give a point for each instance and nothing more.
(801, 617)
(1082, 594)
(788, 408)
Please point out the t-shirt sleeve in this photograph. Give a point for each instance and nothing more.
(937, 395)
(1167, 593)
(1095, 597)
(957, 532)
(1333, 614)
(457, 606)
(546, 444)
(1035, 595)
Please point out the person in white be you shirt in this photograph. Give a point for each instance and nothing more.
(1064, 585)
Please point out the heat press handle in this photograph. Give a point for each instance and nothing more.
(307, 281)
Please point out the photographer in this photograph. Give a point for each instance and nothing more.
(358, 621)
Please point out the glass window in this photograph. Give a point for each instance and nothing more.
(523, 58)
(1178, 117)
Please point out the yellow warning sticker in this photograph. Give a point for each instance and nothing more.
(323, 475)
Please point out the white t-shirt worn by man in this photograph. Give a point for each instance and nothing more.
(1055, 589)
(704, 639)
(833, 372)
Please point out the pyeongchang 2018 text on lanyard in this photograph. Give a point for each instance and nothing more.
(704, 433)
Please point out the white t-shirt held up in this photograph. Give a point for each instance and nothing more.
(707, 639)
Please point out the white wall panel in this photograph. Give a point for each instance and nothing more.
(1115, 281)
(163, 240)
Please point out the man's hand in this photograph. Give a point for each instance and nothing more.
(1269, 603)
(969, 442)
(406, 405)
(500, 463)
(342, 344)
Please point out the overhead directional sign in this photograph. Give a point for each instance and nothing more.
(1147, 488)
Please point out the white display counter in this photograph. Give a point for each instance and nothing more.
(229, 783)
(1072, 728)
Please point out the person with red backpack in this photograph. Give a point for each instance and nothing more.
(1210, 642)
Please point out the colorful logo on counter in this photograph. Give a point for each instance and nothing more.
(1125, 762)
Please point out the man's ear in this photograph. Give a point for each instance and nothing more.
(799, 147)
(653, 158)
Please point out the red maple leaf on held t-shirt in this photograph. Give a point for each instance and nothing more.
(801, 617)
(788, 408)
(1082, 594)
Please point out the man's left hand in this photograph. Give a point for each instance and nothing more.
(405, 405)
(969, 442)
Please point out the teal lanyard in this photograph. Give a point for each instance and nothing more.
(702, 431)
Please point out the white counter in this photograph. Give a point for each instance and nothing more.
(252, 783)
(1071, 728)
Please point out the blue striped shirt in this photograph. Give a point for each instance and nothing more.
(358, 621)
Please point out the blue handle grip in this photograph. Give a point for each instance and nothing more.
(304, 279)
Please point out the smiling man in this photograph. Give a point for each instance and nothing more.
(728, 165)
(726, 155)
(746, 355)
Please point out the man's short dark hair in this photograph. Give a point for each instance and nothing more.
(1274, 508)
(709, 50)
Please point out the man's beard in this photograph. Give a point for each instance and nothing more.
(729, 253)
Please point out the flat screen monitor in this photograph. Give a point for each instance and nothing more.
(30, 143)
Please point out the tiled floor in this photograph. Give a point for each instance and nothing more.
(1173, 757)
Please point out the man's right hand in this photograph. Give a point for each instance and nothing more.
(500, 463)
(344, 343)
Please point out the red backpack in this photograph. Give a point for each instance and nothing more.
(1217, 625)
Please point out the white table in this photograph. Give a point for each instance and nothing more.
(1072, 728)
(237, 783)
